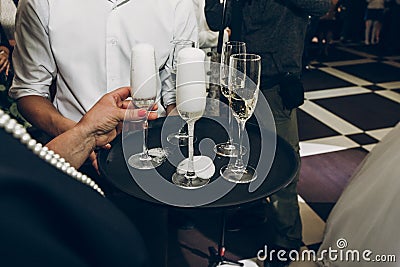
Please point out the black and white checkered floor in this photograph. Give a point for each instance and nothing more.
(352, 101)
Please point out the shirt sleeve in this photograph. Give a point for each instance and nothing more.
(34, 64)
(185, 28)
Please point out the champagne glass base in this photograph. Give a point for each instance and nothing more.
(203, 166)
(238, 175)
(179, 139)
(156, 157)
(181, 181)
(229, 150)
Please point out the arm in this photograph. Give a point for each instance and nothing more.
(35, 68)
(97, 128)
(43, 115)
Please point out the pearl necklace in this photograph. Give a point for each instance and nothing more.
(19, 132)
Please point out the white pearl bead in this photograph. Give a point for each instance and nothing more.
(19, 127)
(50, 152)
(92, 183)
(64, 168)
(48, 157)
(84, 178)
(42, 153)
(1, 112)
(38, 148)
(74, 173)
(10, 126)
(59, 165)
(53, 161)
(69, 170)
(19, 131)
(32, 144)
(79, 176)
(4, 119)
(25, 138)
(62, 160)
(56, 156)
(45, 149)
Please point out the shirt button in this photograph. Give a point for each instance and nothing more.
(114, 42)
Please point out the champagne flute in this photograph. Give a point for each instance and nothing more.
(244, 84)
(181, 137)
(145, 84)
(191, 102)
(228, 149)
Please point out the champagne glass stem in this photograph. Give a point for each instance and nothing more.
(230, 124)
(182, 131)
(145, 154)
(239, 160)
(191, 174)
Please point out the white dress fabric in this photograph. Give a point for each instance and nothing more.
(367, 215)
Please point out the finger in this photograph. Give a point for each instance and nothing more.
(155, 106)
(93, 158)
(107, 146)
(119, 127)
(3, 66)
(132, 114)
(152, 116)
(96, 166)
(126, 104)
(8, 68)
(122, 92)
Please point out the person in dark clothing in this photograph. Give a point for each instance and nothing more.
(47, 218)
(275, 29)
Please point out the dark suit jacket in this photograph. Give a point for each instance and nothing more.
(49, 219)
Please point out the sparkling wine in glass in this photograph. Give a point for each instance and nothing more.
(145, 84)
(181, 137)
(191, 102)
(244, 84)
(228, 149)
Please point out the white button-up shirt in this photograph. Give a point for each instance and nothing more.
(85, 45)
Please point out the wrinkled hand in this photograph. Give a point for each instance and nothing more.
(104, 120)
